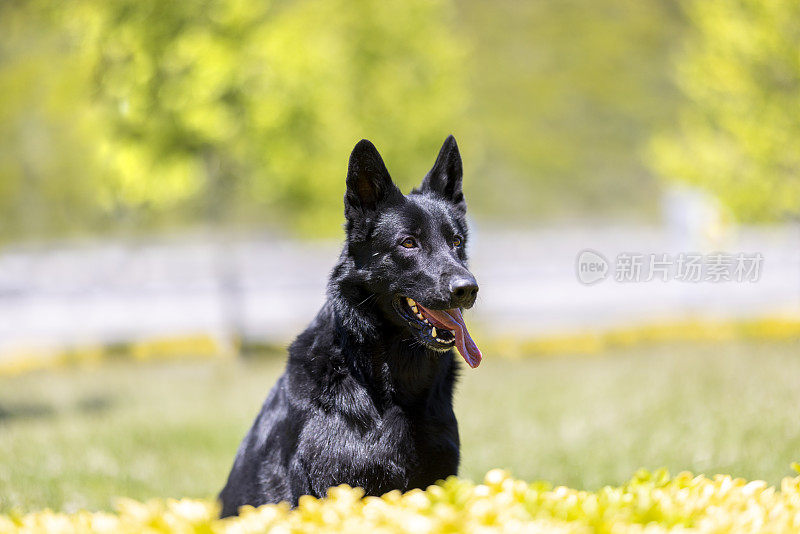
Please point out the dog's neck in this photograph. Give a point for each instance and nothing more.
(381, 354)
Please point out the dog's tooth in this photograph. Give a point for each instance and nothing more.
(433, 331)
(410, 301)
(421, 317)
(426, 321)
(414, 309)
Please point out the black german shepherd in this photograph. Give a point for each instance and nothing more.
(366, 397)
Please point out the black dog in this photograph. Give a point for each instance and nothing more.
(366, 397)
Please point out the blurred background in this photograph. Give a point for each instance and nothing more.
(171, 183)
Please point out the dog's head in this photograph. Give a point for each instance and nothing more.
(409, 251)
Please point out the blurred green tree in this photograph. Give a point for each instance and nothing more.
(46, 127)
(739, 129)
(234, 110)
(566, 95)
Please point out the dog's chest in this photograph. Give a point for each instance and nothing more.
(422, 447)
(437, 448)
(388, 435)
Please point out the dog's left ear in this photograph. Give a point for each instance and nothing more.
(444, 178)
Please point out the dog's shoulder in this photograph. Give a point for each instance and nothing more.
(323, 377)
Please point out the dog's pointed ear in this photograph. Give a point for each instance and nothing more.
(368, 181)
(444, 178)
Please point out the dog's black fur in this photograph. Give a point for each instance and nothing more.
(366, 397)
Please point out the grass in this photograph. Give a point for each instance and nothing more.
(77, 438)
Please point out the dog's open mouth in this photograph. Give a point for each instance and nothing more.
(440, 329)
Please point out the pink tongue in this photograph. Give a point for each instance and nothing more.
(452, 320)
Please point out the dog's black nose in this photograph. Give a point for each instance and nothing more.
(463, 291)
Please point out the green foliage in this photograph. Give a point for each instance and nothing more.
(739, 128)
(652, 501)
(126, 113)
(223, 107)
(46, 128)
(565, 93)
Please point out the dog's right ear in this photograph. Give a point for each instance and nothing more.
(368, 182)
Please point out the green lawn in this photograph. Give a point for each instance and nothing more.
(77, 438)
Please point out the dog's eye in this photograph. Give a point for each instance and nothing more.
(408, 242)
(457, 241)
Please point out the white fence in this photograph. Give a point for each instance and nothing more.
(54, 295)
